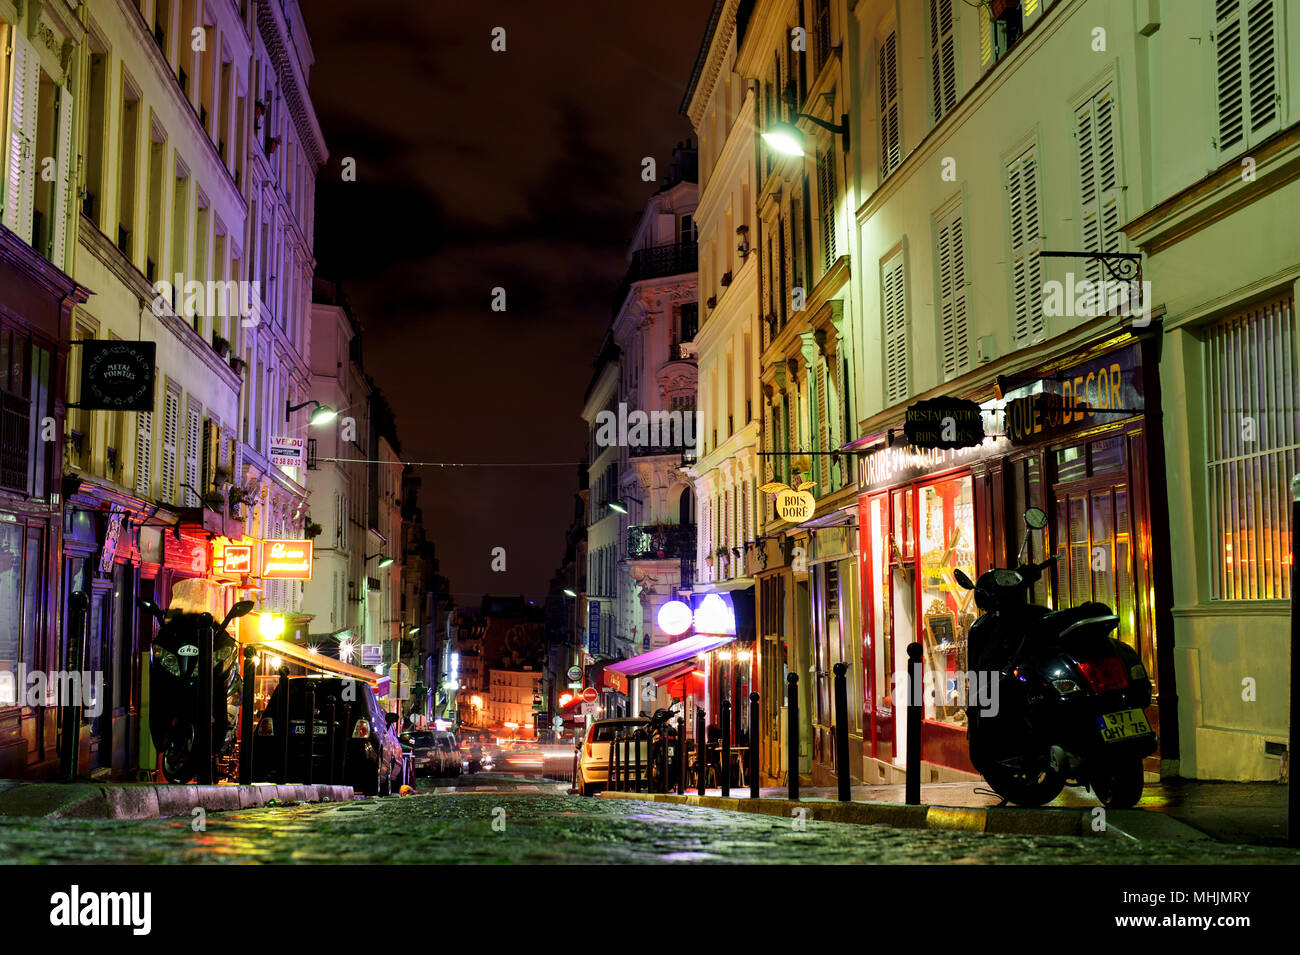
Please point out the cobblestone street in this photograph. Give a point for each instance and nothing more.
(494, 820)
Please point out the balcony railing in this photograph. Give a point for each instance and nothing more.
(671, 259)
(15, 432)
(653, 541)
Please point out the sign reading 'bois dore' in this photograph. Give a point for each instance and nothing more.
(117, 376)
(944, 423)
(286, 560)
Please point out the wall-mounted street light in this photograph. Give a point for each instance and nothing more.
(787, 139)
(413, 631)
(384, 559)
(620, 504)
(568, 592)
(322, 414)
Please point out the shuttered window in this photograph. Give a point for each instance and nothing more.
(57, 250)
(1099, 192)
(954, 325)
(891, 148)
(1248, 91)
(943, 58)
(193, 449)
(823, 462)
(144, 454)
(20, 181)
(826, 205)
(894, 310)
(1252, 408)
(1029, 324)
(171, 429)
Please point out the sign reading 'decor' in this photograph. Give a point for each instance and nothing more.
(286, 560)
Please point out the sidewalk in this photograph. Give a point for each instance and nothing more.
(91, 800)
(1180, 809)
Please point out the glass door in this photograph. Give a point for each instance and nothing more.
(879, 697)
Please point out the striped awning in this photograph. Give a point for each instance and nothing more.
(674, 673)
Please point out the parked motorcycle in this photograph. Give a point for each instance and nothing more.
(174, 688)
(1070, 699)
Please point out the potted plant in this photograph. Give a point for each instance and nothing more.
(220, 346)
(311, 529)
(237, 364)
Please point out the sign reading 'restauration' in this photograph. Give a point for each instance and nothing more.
(944, 423)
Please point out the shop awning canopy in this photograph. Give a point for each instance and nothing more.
(319, 661)
(674, 673)
(661, 657)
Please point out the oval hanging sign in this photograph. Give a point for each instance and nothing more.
(793, 504)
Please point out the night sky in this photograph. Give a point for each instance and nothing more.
(478, 169)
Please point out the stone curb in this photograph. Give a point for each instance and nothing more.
(148, 801)
(1007, 819)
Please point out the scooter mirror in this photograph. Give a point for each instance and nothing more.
(1036, 518)
(238, 610)
(962, 579)
(151, 608)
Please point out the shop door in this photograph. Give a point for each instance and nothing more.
(827, 651)
(1094, 523)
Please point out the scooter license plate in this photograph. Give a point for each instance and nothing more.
(1124, 724)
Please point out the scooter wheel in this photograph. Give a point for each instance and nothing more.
(1119, 786)
(1024, 788)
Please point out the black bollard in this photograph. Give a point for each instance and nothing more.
(724, 762)
(753, 745)
(842, 731)
(246, 717)
(311, 732)
(618, 760)
(284, 691)
(681, 755)
(915, 710)
(701, 756)
(792, 735)
(204, 743)
(329, 776)
(70, 716)
(637, 737)
(664, 785)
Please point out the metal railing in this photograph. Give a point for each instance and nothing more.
(673, 258)
(669, 541)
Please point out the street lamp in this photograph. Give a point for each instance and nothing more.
(384, 561)
(321, 415)
(568, 592)
(620, 504)
(413, 631)
(787, 139)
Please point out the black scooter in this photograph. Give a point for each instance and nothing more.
(174, 688)
(1071, 698)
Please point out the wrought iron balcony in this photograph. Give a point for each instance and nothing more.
(654, 541)
(674, 258)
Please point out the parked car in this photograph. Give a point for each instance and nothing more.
(366, 753)
(593, 770)
(423, 756)
(448, 753)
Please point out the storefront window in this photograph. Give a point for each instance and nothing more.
(11, 576)
(946, 540)
(1026, 492)
(882, 629)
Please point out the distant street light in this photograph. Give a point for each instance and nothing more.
(321, 415)
(385, 560)
(569, 592)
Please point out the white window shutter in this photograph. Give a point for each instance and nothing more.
(943, 59)
(1026, 244)
(986, 35)
(20, 186)
(1247, 83)
(193, 443)
(1261, 56)
(826, 205)
(144, 454)
(894, 309)
(171, 424)
(890, 142)
(64, 186)
(953, 323)
(823, 428)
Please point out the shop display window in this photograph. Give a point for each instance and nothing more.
(882, 626)
(945, 540)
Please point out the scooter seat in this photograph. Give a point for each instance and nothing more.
(1059, 622)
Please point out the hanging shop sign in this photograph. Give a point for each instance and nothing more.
(372, 654)
(609, 680)
(1102, 390)
(187, 554)
(795, 506)
(112, 534)
(593, 629)
(236, 559)
(287, 452)
(944, 423)
(117, 376)
(286, 559)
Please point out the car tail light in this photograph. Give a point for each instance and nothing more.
(266, 726)
(361, 730)
(1104, 674)
(588, 749)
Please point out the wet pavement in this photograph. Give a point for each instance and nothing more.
(490, 819)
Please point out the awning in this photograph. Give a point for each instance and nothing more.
(661, 657)
(674, 673)
(320, 661)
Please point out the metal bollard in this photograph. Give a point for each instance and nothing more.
(609, 770)
(753, 745)
(334, 716)
(724, 761)
(915, 709)
(284, 691)
(701, 765)
(681, 755)
(664, 785)
(246, 717)
(204, 745)
(637, 736)
(792, 735)
(311, 732)
(70, 744)
(842, 731)
(574, 777)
